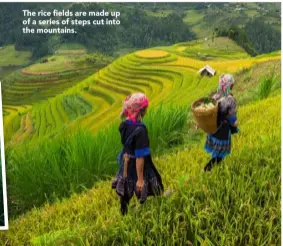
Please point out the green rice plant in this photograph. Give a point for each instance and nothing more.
(43, 126)
(266, 84)
(75, 106)
(238, 203)
(60, 167)
(72, 163)
(165, 126)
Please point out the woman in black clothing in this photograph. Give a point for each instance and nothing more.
(137, 172)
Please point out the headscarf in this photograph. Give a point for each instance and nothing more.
(224, 86)
(133, 104)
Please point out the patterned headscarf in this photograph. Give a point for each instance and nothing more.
(224, 87)
(133, 104)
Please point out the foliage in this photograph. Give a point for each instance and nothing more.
(137, 29)
(73, 163)
(256, 37)
(224, 207)
(267, 84)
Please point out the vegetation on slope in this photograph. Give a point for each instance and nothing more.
(165, 74)
(238, 203)
(142, 24)
(58, 167)
(256, 37)
(11, 57)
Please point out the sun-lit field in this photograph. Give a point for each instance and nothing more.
(166, 74)
(151, 54)
(226, 207)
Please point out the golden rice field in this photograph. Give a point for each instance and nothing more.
(165, 74)
(151, 54)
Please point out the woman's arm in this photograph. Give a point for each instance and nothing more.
(141, 151)
(126, 164)
(236, 123)
(139, 167)
(231, 104)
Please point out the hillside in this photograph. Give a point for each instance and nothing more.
(136, 31)
(237, 204)
(165, 74)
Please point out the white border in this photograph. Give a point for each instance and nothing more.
(5, 227)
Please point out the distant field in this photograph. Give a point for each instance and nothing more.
(67, 60)
(71, 46)
(10, 57)
(193, 17)
(160, 13)
(151, 53)
(54, 64)
(204, 22)
(252, 12)
(165, 74)
(220, 48)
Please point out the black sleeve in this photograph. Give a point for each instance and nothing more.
(141, 143)
(121, 131)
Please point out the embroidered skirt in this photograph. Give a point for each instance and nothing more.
(126, 186)
(217, 147)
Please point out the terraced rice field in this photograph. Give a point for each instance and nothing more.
(167, 75)
(151, 54)
(11, 57)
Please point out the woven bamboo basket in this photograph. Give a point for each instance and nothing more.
(207, 120)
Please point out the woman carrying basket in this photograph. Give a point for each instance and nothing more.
(137, 172)
(219, 143)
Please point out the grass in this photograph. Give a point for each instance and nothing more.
(193, 17)
(267, 83)
(217, 48)
(54, 64)
(73, 163)
(248, 80)
(238, 203)
(66, 62)
(11, 57)
(75, 106)
(161, 13)
(71, 46)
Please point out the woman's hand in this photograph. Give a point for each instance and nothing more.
(235, 124)
(126, 158)
(139, 185)
(139, 166)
